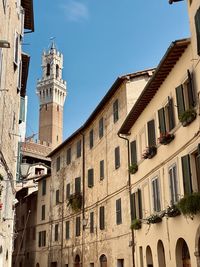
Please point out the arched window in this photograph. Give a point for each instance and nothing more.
(103, 261)
(57, 71)
(48, 69)
(182, 254)
(149, 257)
(37, 265)
(161, 254)
(77, 261)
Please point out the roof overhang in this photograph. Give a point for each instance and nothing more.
(24, 78)
(29, 15)
(165, 66)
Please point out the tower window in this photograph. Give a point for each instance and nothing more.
(46, 106)
(57, 107)
(48, 69)
(57, 71)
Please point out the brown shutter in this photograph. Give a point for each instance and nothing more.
(67, 230)
(118, 211)
(133, 207)
(140, 203)
(102, 218)
(180, 100)
(91, 222)
(191, 92)
(78, 185)
(133, 152)
(101, 169)
(117, 158)
(170, 108)
(90, 178)
(187, 183)
(197, 25)
(161, 118)
(151, 133)
(91, 138)
(78, 226)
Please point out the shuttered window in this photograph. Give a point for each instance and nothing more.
(118, 211)
(92, 222)
(42, 239)
(161, 118)
(67, 236)
(190, 91)
(187, 182)
(136, 205)
(117, 157)
(43, 212)
(43, 187)
(91, 138)
(56, 233)
(197, 161)
(156, 195)
(166, 117)
(22, 110)
(16, 49)
(78, 185)
(173, 184)
(78, 149)
(133, 152)
(151, 133)
(180, 100)
(57, 196)
(68, 155)
(115, 111)
(101, 218)
(90, 178)
(101, 169)
(170, 114)
(68, 190)
(78, 226)
(58, 164)
(101, 128)
(197, 25)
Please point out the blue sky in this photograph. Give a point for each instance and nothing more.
(100, 40)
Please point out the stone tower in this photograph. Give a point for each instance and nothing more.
(51, 90)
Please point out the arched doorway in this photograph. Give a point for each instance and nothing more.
(197, 246)
(103, 261)
(37, 265)
(182, 254)
(149, 257)
(77, 261)
(161, 254)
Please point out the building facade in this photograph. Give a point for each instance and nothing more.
(164, 140)
(15, 18)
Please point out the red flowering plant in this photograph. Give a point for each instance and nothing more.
(165, 138)
(149, 152)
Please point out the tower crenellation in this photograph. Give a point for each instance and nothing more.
(51, 91)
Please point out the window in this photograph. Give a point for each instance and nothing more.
(58, 164)
(101, 218)
(78, 226)
(1, 64)
(4, 5)
(78, 185)
(91, 222)
(57, 71)
(115, 111)
(22, 110)
(16, 49)
(42, 239)
(90, 178)
(118, 211)
(151, 133)
(197, 25)
(185, 95)
(136, 205)
(78, 149)
(67, 230)
(68, 190)
(101, 128)
(133, 152)
(43, 212)
(187, 179)
(117, 157)
(19, 77)
(120, 263)
(156, 195)
(166, 117)
(56, 233)
(91, 138)
(43, 187)
(68, 155)
(57, 197)
(101, 169)
(48, 69)
(173, 184)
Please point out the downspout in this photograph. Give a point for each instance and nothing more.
(129, 187)
(62, 226)
(83, 201)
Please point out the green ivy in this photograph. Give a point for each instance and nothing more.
(190, 204)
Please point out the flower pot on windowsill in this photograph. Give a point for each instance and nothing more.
(136, 224)
(166, 138)
(133, 168)
(172, 211)
(189, 205)
(75, 201)
(150, 152)
(187, 117)
(154, 218)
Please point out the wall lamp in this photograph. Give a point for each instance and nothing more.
(4, 44)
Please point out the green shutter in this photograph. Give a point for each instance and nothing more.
(197, 25)
(190, 91)
(187, 183)
(133, 152)
(170, 109)
(78, 185)
(180, 100)
(133, 207)
(90, 178)
(151, 133)
(140, 203)
(22, 110)
(67, 230)
(161, 118)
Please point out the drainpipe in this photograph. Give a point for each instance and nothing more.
(62, 226)
(129, 185)
(83, 199)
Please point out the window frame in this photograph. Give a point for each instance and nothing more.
(173, 183)
(101, 127)
(78, 148)
(56, 232)
(116, 111)
(102, 169)
(117, 157)
(91, 138)
(68, 156)
(156, 195)
(118, 211)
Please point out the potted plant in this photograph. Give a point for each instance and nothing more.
(189, 205)
(75, 201)
(172, 211)
(165, 138)
(133, 168)
(187, 117)
(149, 152)
(136, 224)
(154, 218)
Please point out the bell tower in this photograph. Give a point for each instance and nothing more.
(51, 90)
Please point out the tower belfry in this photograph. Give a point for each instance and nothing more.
(51, 90)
